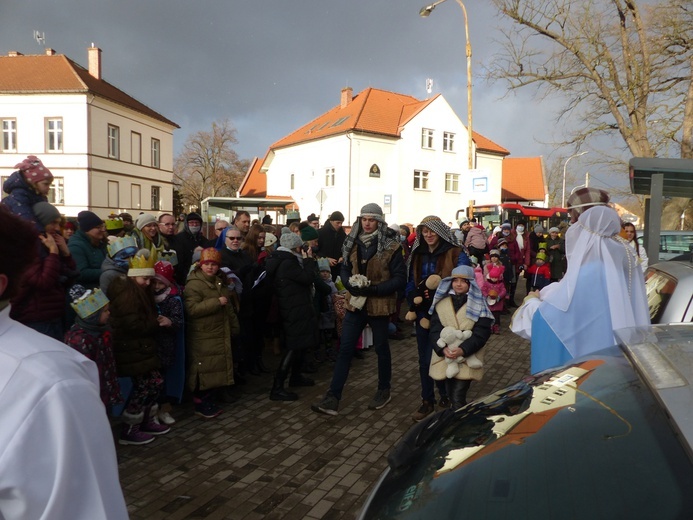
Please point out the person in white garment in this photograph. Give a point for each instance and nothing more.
(57, 456)
(603, 290)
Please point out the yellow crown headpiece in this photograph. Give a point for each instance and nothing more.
(142, 264)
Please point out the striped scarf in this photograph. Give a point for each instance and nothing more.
(476, 303)
(439, 228)
(384, 235)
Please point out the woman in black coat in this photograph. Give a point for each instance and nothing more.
(331, 238)
(292, 271)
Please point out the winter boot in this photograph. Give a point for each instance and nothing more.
(278, 392)
(297, 366)
(130, 430)
(150, 424)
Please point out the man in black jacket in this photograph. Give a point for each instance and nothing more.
(330, 241)
(185, 244)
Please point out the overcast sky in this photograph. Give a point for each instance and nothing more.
(270, 66)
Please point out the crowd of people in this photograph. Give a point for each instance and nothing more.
(165, 311)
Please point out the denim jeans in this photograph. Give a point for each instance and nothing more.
(425, 353)
(353, 325)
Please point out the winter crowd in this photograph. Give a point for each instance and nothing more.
(164, 311)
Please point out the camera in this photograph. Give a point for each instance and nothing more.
(305, 247)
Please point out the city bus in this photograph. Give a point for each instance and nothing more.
(492, 215)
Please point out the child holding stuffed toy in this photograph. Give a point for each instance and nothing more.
(460, 327)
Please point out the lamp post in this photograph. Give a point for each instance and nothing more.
(424, 12)
(565, 164)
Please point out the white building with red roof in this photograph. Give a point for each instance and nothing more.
(408, 155)
(107, 151)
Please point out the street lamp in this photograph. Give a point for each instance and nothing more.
(424, 12)
(565, 164)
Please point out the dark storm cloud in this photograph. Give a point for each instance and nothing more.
(272, 65)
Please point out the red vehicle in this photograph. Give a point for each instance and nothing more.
(492, 215)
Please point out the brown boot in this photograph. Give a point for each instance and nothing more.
(424, 411)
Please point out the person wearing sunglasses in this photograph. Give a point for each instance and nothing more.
(233, 255)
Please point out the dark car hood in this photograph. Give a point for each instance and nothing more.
(584, 441)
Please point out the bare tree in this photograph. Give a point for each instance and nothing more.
(208, 166)
(623, 70)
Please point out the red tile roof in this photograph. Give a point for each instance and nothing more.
(523, 179)
(486, 145)
(373, 111)
(55, 74)
(255, 182)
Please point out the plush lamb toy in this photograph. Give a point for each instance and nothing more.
(421, 302)
(452, 338)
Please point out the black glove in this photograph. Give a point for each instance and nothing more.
(356, 291)
(371, 290)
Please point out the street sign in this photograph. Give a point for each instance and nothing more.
(321, 196)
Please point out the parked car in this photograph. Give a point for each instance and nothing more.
(607, 436)
(671, 243)
(669, 287)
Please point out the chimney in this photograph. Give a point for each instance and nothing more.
(347, 93)
(50, 52)
(14, 54)
(94, 54)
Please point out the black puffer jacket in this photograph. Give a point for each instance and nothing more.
(293, 286)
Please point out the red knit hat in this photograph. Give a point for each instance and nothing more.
(164, 272)
(496, 272)
(33, 169)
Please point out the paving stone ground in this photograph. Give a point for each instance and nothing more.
(266, 460)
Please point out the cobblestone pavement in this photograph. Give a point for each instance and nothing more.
(267, 460)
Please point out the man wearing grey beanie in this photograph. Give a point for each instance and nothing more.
(373, 251)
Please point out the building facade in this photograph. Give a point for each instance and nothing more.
(409, 156)
(107, 151)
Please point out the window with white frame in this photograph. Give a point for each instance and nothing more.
(420, 180)
(54, 134)
(3, 178)
(9, 135)
(113, 142)
(136, 196)
(452, 182)
(56, 195)
(156, 153)
(156, 198)
(292, 179)
(136, 147)
(329, 177)
(427, 138)
(448, 142)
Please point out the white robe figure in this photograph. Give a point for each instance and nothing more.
(603, 290)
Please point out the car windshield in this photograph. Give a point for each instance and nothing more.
(660, 287)
(587, 441)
